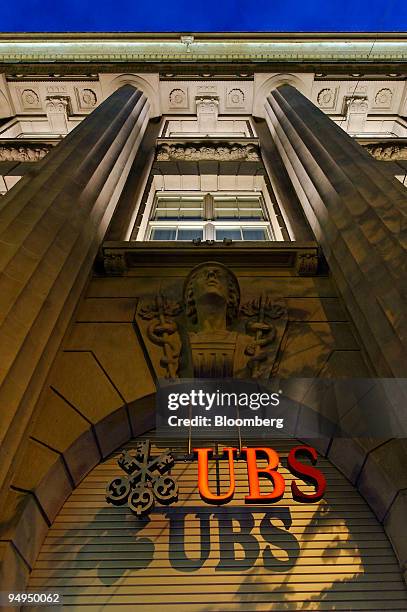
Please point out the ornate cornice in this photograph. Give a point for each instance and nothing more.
(62, 48)
(388, 151)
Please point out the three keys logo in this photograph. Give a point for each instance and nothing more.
(147, 480)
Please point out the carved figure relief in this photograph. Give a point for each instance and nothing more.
(387, 151)
(208, 332)
(197, 152)
(24, 153)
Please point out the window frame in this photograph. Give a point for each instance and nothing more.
(209, 223)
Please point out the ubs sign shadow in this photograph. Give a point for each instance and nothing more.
(234, 538)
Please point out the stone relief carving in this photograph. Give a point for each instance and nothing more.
(327, 97)
(235, 98)
(30, 99)
(88, 97)
(24, 153)
(383, 98)
(356, 113)
(199, 152)
(209, 333)
(387, 151)
(57, 108)
(57, 104)
(178, 98)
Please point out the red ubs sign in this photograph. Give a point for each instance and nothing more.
(306, 472)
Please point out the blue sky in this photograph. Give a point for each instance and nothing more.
(203, 15)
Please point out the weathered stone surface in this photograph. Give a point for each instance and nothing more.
(42, 471)
(395, 526)
(358, 215)
(14, 571)
(24, 524)
(116, 348)
(384, 475)
(51, 225)
(62, 428)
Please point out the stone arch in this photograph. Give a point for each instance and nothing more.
(302, 82)
(144, 84)
(376, 470)
(174, 543)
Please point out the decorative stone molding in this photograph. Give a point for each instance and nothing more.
(383, 98)
(23, 153)
(178, 98)
(388, 151)
(327, 98)
(201, 152)
(57, 112)
(30, 99)
(86, 98)
(235, 98)
(356, 107)
(307, 263)
(207, 110)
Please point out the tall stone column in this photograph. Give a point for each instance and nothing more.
(358, 215)
(51, 225)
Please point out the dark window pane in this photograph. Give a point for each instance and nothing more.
(163, 233)
(189, 234)
(226, 232)
(254, 234)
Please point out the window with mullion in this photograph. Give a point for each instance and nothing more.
(209, 216)
(238, 207)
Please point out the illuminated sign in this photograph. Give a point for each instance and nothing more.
(306, 472)
(148, 480)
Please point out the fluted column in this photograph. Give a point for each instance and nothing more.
(358, 215)
(51, 225)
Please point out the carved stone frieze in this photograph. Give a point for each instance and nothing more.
(23, 153)
(388, 151)
(200, 152)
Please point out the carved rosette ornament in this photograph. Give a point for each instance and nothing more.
(178, 98)
(210, 334)
(235, 98)
(383, 98)
(327, 98)
(30, 98)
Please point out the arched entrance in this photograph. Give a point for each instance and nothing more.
(333, 555)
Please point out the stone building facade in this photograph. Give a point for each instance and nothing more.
(128, 161)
